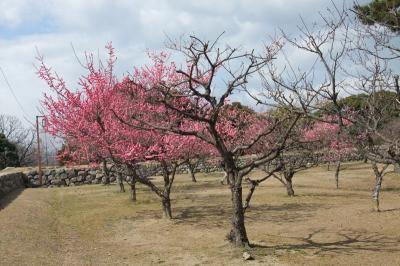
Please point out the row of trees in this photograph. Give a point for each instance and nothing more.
(171, 113)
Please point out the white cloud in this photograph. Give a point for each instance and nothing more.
(133, 26)
(13, 13)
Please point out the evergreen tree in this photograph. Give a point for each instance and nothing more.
(8, 153)
(384, 12)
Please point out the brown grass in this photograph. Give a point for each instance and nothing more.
(95, 225)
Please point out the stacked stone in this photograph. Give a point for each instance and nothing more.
(396, 168)
(63, 177)
(10, 182)
(205, 167)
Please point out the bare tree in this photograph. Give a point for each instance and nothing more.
(21, 136)
(356, 59)
(375, 52)
(328, 44)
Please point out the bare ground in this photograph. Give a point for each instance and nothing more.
(94, 225)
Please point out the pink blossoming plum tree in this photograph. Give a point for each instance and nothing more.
(87, 119)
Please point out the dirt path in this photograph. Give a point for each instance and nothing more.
(29, 233)
(34, 230)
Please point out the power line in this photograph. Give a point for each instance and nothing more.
(15, 97)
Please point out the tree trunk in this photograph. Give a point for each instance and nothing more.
(253, 185)
(377, 189)
(225, 177)
(289, 185)
(337, 171)
(169, 177)
(133, 189)
(106, 173)
(120, 183)
(378, 185)
(134, 178)
(289, 188)
(329, 166)
(191, 171)
(237, 235)
(166, 204)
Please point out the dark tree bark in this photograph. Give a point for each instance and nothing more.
(238, 234)
(133, 190)
(166, 205)
(337, 171)
(169, 177)
(120, 183)
(289, 185)
(253, 185)
(106, 173)
(134, 179)
(191, 168)
(289, 188)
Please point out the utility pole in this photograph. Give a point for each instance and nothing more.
(397, 87)
(5, 156)
(39, 157)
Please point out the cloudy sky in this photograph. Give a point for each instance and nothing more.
(134, 26)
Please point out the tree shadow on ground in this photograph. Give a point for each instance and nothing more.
(202, 210)
(204, 185)
(283, 213)
(391, 189)
(350, 242)
(352, 167)
(219, 215)
(216, 215)
(332, 190)
(390, 210)
(332, 194)
(10, 197)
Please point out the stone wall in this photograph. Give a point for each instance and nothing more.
(397, 168)
(10, 182)
(62, 176)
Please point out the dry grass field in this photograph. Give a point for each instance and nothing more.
(95, 225)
